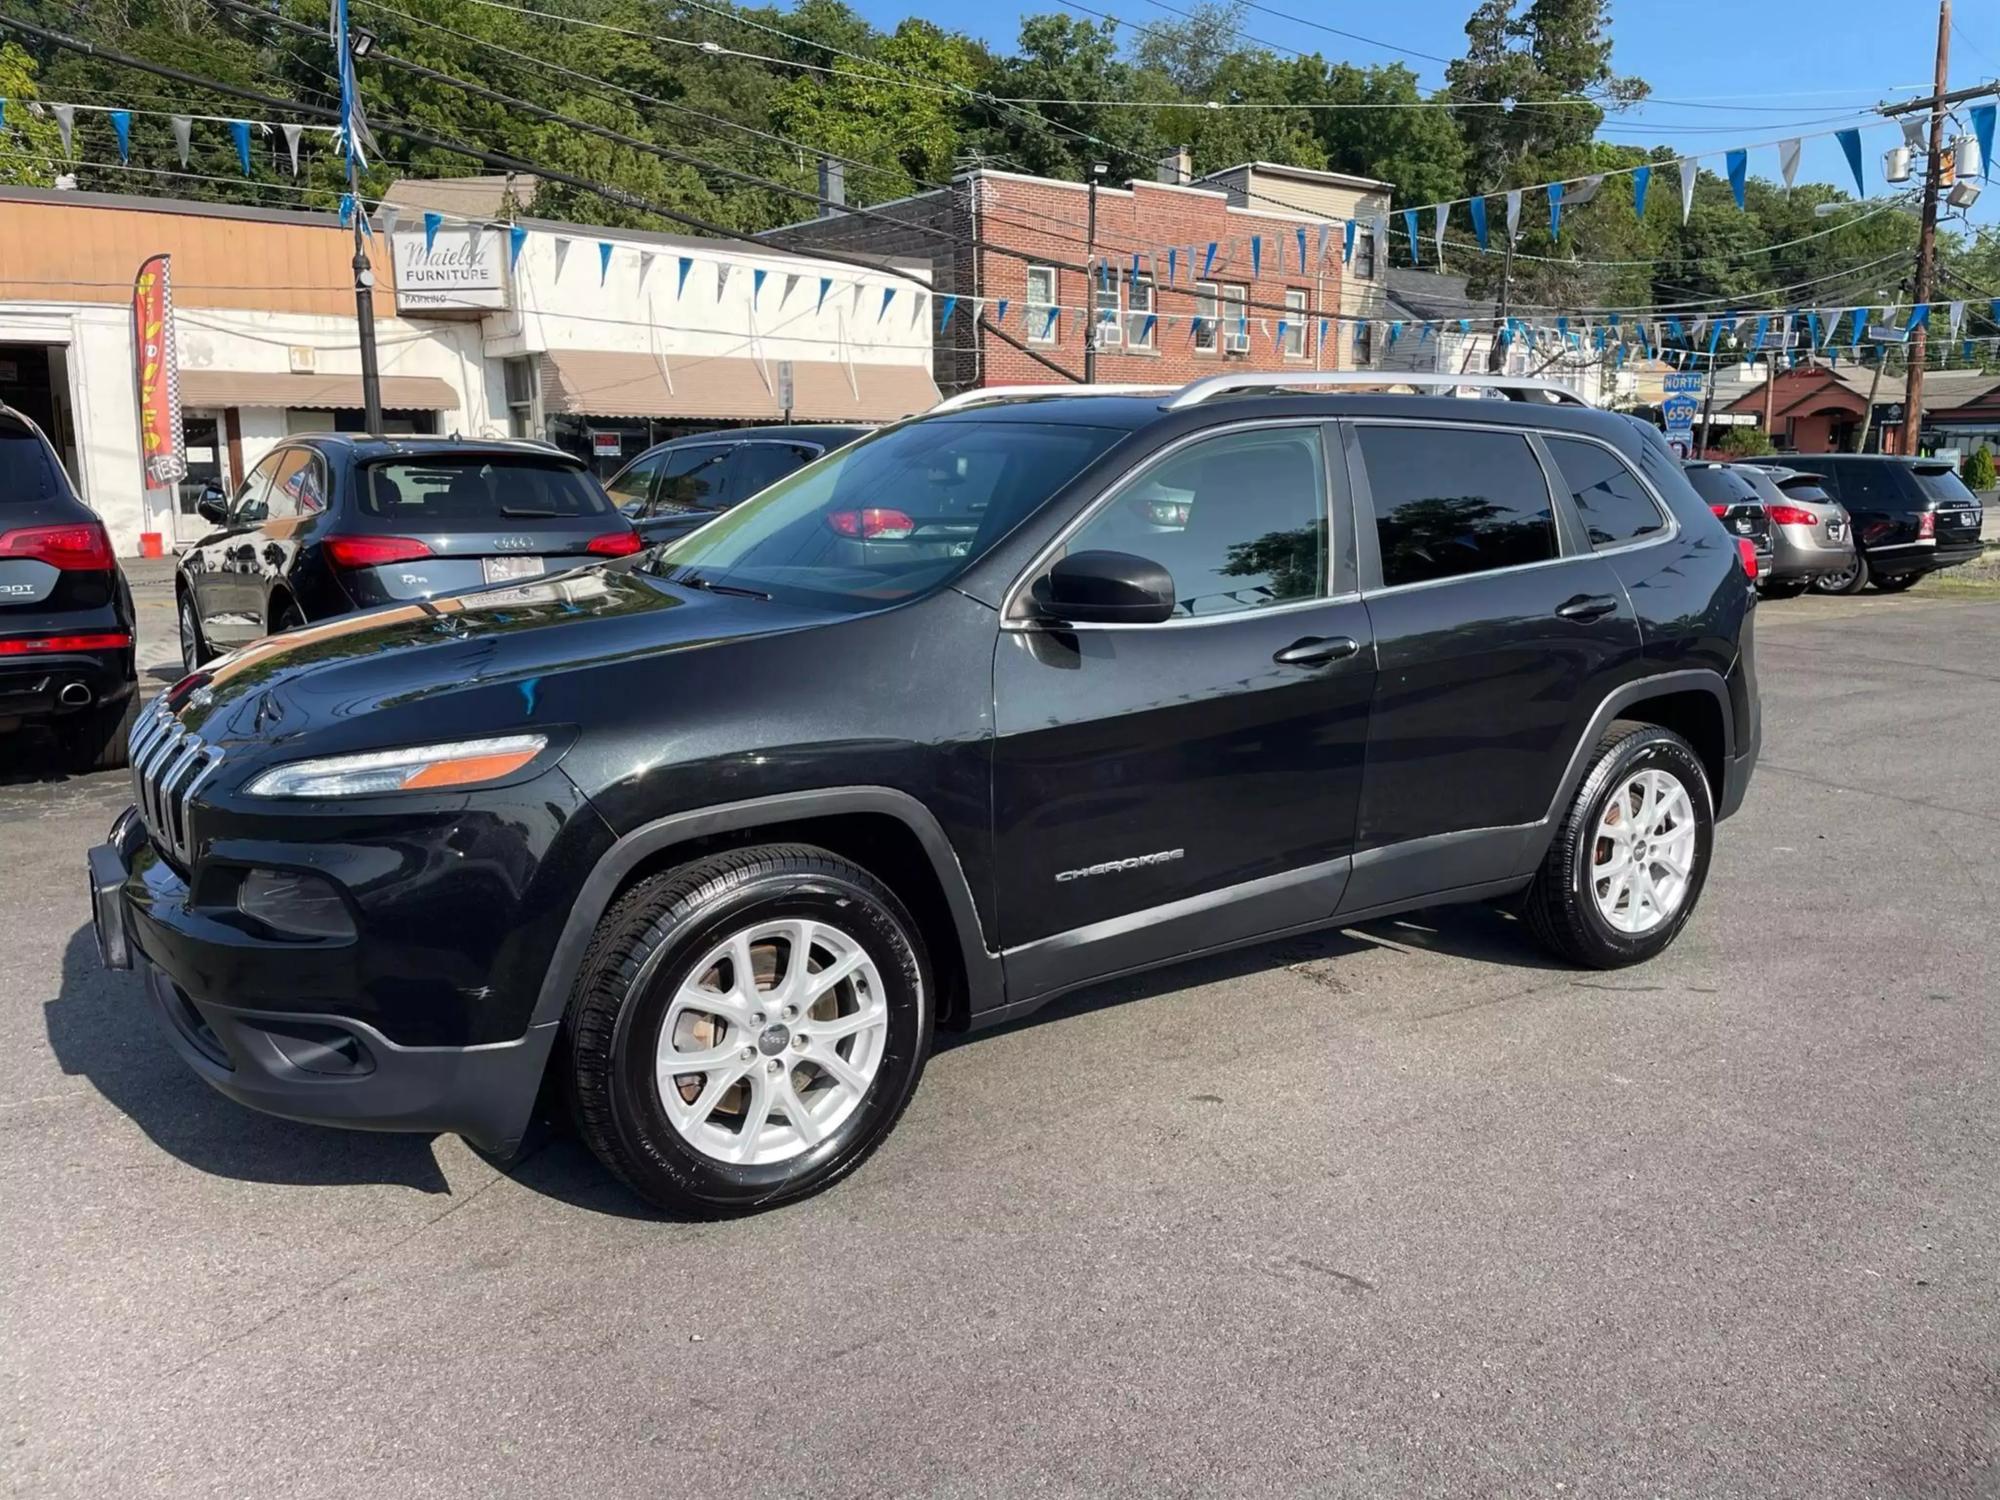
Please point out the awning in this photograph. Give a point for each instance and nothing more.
(311, 392)
(599, 383)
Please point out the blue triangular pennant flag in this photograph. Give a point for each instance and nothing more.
(346, 210)
(1104, 275)
(603, 260)
(1347, 241)
(1424, 333)
(1049, 328)
(1410, 228)
(1555, 210)
(431, 223)
(1208, 259)
(1675, 331)
(950, 306)
(1256, 255)
(1641, 178)
(1395, 331)
(1812, 325)
(1000, 315)
(121, 121)
(1920, 316)
(1982, 131)
(1477, 208)
(1173, 263)
(1850, 144)
(1278, 338)
(685, 263)
(1738, 162)
(1133, 280)
(240, 130)
(1465, 325)
(1302, 249)
(1763, 327)
(757, 276)
(1146, 328)
(888, 296)
(1242, 329)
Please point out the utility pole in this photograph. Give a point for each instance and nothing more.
(1874, 390)
(1708, 411)
(1091, 313)
(1913, 393)
(364, 317)
(1496, 353)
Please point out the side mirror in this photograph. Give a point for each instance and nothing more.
(213, 504)
(1105, 588)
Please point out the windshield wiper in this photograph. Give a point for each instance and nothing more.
(696, 581)
(538, 515)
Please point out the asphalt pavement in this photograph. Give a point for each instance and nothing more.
(1404, 1210)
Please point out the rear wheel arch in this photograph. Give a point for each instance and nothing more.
(1697, 717)
(1693, 699)
(278, 604)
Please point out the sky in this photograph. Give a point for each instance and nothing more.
(1741, 72)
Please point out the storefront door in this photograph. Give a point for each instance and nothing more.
(207, 463)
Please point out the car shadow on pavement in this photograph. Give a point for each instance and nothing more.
(29, 756)
(101, 1028)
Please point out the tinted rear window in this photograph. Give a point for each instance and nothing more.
(28, 471)
(1613, 503)
(1940, 482)
(444, 493)
(1722, 487)
(890, 517)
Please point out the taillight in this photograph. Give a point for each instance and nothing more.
(374, 551)
(1746, 550)
(77, 546)
(614, 544)
(1720, 510)
(871, 524)
(1792, 515)
(1926, 525)
(103, 640)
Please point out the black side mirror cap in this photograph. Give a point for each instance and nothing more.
(213, 506)
(1105, 588)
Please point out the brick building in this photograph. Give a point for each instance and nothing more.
(992, 236)
(1814, 408)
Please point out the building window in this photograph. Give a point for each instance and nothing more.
(1207, 312)
(519, 376)
(1042, 329)
(1235, 324)
(1364, 345)
(1295, 322)
(1104, 307)
(1138, 334)
(1364, 254)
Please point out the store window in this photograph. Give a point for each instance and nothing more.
(1295, 322)
(1139, 334)
(1207, 314)
(1104, 303)
(519, 377)
(1042, 328)
(1235, 319)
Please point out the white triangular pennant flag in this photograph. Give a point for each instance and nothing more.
(391, 217)
(1443, 211)
(183, 129)
(792, 279)
(1382, 257)
(65, 122)
(722, 270)
(475, 236)
(859, 292)
(292, 144)
(1913, 131)
(562, 254)
(646, 259)
(1957, 311)
(1788, 162)
(1689, 171)
(1514, 214)
(1576, 194)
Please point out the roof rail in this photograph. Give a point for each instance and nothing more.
(1440, 382)
(987, 395)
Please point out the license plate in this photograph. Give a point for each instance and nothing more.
(1744, 527)
(507, 569)
(1836, 530)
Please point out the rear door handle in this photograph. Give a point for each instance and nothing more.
(1317, 650)
(1587, 607)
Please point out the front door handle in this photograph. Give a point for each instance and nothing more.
(1587, 607)
(1317, 650)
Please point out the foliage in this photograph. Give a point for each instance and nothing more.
(1980, 473)
(1746, 442)
(26, 160)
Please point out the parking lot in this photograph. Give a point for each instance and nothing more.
(1398, 1209)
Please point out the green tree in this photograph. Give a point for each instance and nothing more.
(1419, 152)
(1979, 470)
(26, 159)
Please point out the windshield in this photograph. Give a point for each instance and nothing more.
(891, 517)
(443, 493)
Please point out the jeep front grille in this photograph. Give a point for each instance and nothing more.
(169, 763)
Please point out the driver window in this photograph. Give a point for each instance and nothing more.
(1238, 521)
(632, 489)
(246, 507)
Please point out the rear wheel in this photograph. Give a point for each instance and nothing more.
(96, 739)
(748, 1028)
(1849, 580)
(1897, 584)
(284, 615)
(1631, 855)
(194, 650)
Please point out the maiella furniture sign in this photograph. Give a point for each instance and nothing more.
(449, 273)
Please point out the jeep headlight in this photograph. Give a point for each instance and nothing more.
(415, 769)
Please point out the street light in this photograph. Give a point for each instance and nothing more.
(360, 42)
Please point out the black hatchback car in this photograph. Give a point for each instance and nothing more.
(66, 643)
(327, 524)
(713, 839)
(1908, 516)
(674, 487)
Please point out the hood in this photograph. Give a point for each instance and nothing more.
(506, 638)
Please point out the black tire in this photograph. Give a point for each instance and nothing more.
(1844, 583)
(645, 948)
(1783, 588)
(284, 615)
(195, 653)
(97, 738)
(1897, 584)
(1560, 910)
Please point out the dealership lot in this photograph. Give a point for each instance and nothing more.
(1400, 1208)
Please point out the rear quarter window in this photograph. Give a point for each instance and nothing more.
(1616, 508)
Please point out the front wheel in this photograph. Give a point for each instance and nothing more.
(1849, 580)
(1896, 585)
(1631, 854)
(748, 1028)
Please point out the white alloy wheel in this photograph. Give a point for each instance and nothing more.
(1642, 856)
(772, 1041)
(190, 636)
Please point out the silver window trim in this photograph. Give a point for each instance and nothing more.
(1673, 523)
(1111, 491)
